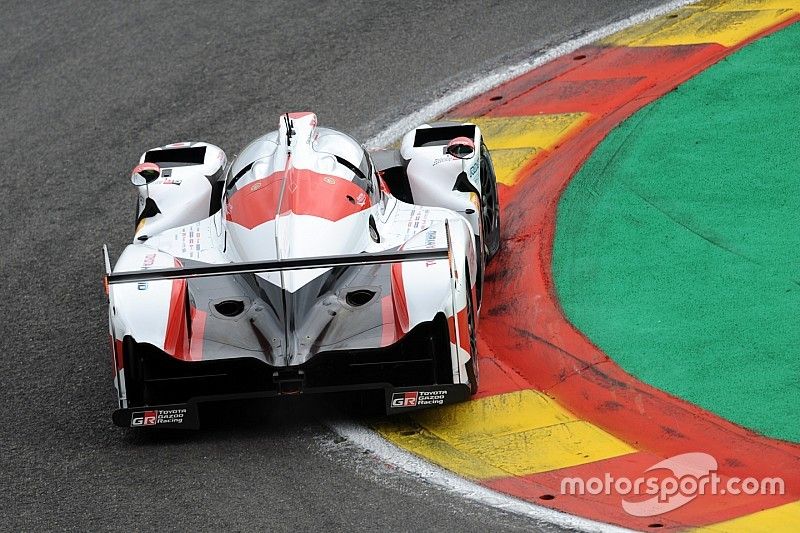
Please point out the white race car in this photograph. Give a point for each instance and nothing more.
(306, 265)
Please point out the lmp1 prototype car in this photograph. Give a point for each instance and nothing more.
(305, 265)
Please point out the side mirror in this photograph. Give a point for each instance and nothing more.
(145, 173)
(461, 147)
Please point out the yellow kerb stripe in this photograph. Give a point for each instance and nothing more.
(515, 141)
(747, 5)
(714, 21)
(513, 434)
(781, 518)
(507, 163)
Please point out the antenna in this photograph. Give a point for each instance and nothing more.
(289, 129)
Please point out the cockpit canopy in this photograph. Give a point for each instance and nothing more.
(331, 154)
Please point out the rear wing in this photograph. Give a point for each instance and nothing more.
(276, 265)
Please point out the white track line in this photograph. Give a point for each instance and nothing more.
(508, 72)
(407, 461)
(418, 467)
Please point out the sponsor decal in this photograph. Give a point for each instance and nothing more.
(430, 242)
(171, 182)
(417, 220)
(444, 159)
(404, 399)
(155, 417)
(190, 241)
(473, 169)
(418, 398)
(430, 239)
(329, 180)
(148, 261)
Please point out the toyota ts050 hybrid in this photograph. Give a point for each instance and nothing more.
(305, 265)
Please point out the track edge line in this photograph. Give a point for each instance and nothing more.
(453, 483)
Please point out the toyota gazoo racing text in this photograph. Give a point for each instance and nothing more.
(305, 265)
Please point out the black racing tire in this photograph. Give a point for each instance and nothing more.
(490, 206)
(473, 369)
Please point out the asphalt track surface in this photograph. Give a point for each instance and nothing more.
(84, 89)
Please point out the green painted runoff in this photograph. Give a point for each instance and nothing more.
(677, 245)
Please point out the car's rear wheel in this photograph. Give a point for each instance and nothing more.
(490, 206)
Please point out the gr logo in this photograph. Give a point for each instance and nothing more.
(144, 418)
(404, 399)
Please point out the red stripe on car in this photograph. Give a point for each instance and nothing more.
(463, 329)
(388, 321)
(116, 350)
(176, 339)
(198, 329)
(306, 193)
(185, 325)
(399, 300)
